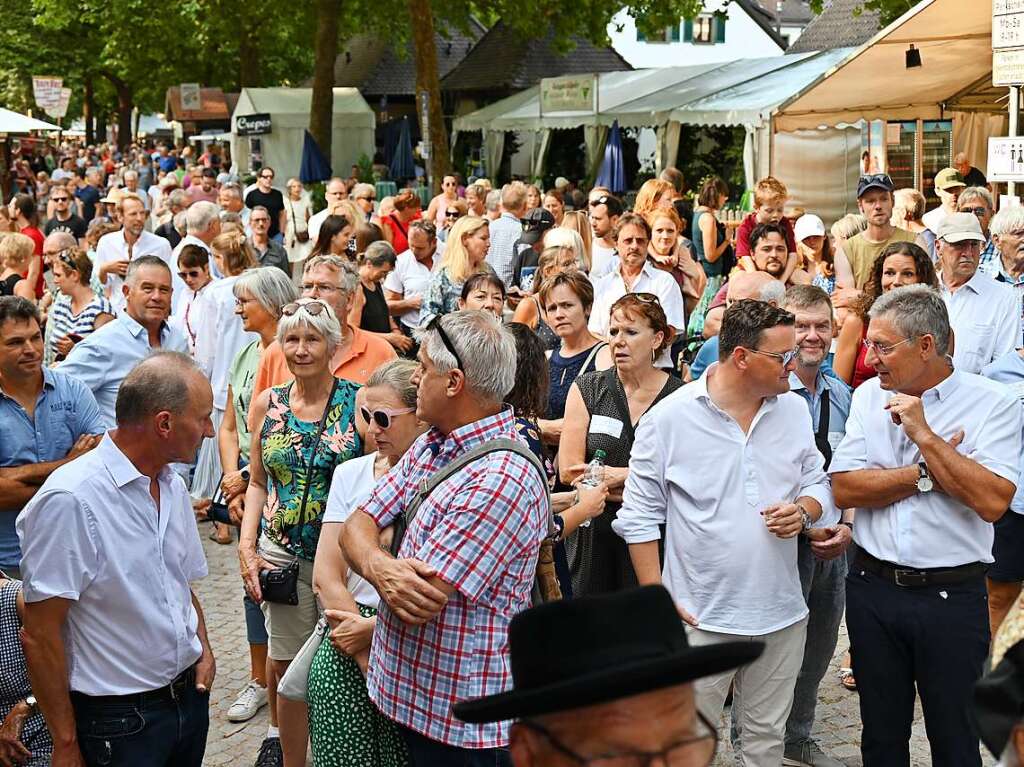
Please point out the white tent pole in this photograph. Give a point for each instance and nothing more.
(1011, 187)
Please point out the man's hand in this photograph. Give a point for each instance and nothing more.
(236, 509)
(83, 445)
(829, 542)
(351, 633)
(67, 756)
(908, 412)
(120, 268)
(400, 341)
(206, 670)
(784, 520)
(404, 585)
(414, 302)
(12, 752)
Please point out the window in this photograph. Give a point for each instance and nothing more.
(666, 35)
(705, 29)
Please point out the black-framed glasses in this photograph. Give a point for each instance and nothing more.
(784, 357)
(313, 308)
(882, 350)
(978, 211)
(691, 751)
(258, 220)
(267, 175)
(451, 214)
(435, 324)
(60, 199)
(383, 416)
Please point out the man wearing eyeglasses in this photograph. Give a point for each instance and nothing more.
(731, 512)
(931, 458)
(985, 314)
(63, 219)
(268, 251)
(855, 259)
(978, 200)
(335, 193)
(264, 194)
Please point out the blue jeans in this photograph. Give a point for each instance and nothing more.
(132, 731)
(824, 585)
(425, 752)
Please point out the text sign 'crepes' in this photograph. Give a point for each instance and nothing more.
(573, 93)
(252, 125)
(1006, 159)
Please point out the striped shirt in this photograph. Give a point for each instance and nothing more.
(65, 321)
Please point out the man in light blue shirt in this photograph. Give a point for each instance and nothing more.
(105, 357)
(506, 230)
(47, 418)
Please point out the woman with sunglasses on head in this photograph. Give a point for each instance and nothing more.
(77, 311)
(345, 729)
(304, 429)
(901, 263)
(601, 413)
(465, 254)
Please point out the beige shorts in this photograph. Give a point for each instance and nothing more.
(288, 626)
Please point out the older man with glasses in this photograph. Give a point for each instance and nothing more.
(264, 194)
(931, 458)
(268, 251)
(335, 193)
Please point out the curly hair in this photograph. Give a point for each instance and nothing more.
(923, 265)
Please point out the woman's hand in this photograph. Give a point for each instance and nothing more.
(351, 633)
(12, 752)
(64, 346)
(233, 484)
(399, 340)
(250, 563)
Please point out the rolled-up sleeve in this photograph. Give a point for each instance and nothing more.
(852, 453)
(998, 444)
(645, 496)
(60, 546)
(386, 501)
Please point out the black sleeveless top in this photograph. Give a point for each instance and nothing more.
(7, 285)
(375, 311)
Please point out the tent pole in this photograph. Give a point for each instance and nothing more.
(1011, 187)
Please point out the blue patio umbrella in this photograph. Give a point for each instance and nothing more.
(613, 171)
(314, 166)
(403, 164)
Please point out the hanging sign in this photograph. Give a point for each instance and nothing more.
(252, 125)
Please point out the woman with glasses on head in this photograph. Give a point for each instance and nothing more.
(901, 263)
(335, 238)
(453, 211)
(601, 413)
(465, 254)
(298, 209)
(305, 429)
(77, 311)
(345, 728)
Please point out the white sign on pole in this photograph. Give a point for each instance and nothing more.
(1007, 24)
(1003, 7)
(1008, 67)
(46, 91)
(191, 101)
(58, 110)
(1006, 159)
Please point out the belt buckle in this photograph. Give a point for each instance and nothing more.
(910, 578)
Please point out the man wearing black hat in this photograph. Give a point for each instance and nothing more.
(524, 263)
(623, 693)
(854, 260)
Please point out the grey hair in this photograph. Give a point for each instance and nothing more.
(1007, 220)
(774, 293)
(348, 277)
(131, 173)
(362, 189)
(478, 191)
(915, 310)
(200, 216)
(179, 219)
(269, 286)
(142, 262)
(977, 193)
(486, 347)
(849, 226)
(232, 188)
(563, 237)
(60, 240)
(178, 199)
(493, 201)
(397, 376)
(325, 324)
(158, 383)
(379, 253)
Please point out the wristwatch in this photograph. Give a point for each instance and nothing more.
(924, 478)
(805, 518)
(848, 524)
(33, 706)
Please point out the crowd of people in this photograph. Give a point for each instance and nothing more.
(515, 477)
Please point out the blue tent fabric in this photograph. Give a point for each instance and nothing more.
(314, 166)
(613, 171)
(403, 164)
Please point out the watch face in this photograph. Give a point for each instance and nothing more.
(924, 484)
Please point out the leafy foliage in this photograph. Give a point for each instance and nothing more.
(888, 10)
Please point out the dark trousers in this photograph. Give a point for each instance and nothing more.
(130, 731)
(425, 752)
(933, 638)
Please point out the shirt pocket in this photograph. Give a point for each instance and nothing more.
(60, 438)
(974, 344)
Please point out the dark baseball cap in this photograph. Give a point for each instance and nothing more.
(875, 181)
(535, 223)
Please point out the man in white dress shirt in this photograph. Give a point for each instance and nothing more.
(202, 225)
(985, 314)
(114, 636)
(930, 460)
(407, 283)
(733, 495)
(335, 193)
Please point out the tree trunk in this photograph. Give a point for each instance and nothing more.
(249, 75)
(101, 126)
(125, 104)
(428, 91)
(88, 111)
(321, 108)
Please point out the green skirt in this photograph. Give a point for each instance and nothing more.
(345, 729)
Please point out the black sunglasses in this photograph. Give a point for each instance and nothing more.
(313, 308)
(435, 324)
(193, 273)
(451, 214)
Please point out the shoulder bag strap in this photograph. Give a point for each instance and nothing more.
(590, 358)
(821, 435)
(620, 401)
(312, 457)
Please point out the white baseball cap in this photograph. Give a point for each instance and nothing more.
(808, 225)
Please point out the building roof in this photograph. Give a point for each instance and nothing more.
(214, 106)
(838, 27)
(795, 13)
(377, 69)
(763, 19)
(504, 60)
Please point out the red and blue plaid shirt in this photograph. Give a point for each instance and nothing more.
(481, 530)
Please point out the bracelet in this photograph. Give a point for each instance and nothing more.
(575, 497)
(848, 524)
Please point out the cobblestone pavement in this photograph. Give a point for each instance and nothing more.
(837, 727)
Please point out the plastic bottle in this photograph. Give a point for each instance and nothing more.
(594, 475)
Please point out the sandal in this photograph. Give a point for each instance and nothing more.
(221, 534)
(847, 680)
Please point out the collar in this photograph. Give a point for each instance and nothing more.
(974, 283)
(647, 269)
(137, 329)
(945, 388)
(191, 239)
(49, 382)
(702, 392)
(1001, 274)
(510, 217)
(821, 382)
(471, 434)
(121, 469)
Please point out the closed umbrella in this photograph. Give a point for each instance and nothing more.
(314, 166)
(403, 164)
(613, 171)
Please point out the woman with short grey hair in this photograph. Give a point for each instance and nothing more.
(370, 308)
(307, 428)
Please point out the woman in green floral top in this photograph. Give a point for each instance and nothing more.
(464, 255)
(289, 418)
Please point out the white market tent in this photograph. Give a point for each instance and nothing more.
(12, 122)
(281, 149)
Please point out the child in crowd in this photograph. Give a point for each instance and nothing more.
(770, 197)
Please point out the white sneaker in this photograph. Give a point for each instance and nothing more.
(250, 700)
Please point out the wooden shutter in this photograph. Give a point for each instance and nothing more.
(687, 30)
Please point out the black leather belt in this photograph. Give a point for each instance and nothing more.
(168, 693)
(910, 578)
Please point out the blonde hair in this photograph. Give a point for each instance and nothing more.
(849, 226)
(564, 237)
(650, 193)
(769, 189)
(16, 249)
(577, 221)
(235, 251)
(456, 257)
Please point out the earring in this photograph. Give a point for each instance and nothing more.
(654, 355)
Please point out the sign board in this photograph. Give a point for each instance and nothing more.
(252, 125)
(46, 91)
(58, 110)
(1007, 24)
(1006, 159)
(1008, 67)
(573, 93)
(191, 101)
(1004, 7)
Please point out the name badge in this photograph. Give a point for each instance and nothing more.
(602, 424)
(1017, 390)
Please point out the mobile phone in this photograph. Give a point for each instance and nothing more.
(76, 337)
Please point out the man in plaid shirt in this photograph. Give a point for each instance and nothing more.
(468, 560)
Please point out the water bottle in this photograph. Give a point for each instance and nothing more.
(594, 475)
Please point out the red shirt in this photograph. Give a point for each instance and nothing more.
(37, 251)
(747, 226)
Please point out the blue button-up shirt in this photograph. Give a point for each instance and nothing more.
(65, 410)
(505, 232)
(839, 398)
(105, 357)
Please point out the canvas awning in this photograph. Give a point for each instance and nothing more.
(13, 122)
(954, 38)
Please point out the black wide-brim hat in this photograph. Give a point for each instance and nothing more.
(575, 653)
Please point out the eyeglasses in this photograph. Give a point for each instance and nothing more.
(192, 274)
(313, 308)
(60, 199)
(692, 751)
(435, 324)
(368, 199)
(267, 175)
(979, 211)
(383, 416)
(884, 351)
(784, 357)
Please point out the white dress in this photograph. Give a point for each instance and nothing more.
(298, 212)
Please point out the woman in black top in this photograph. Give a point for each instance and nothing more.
(374, 265)
(601, 413)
